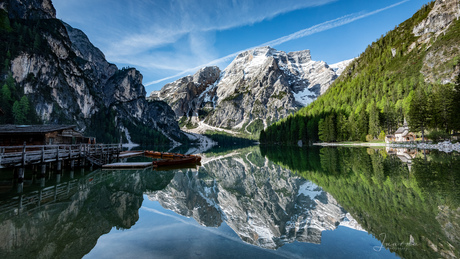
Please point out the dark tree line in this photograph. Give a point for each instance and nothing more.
(15, 106)
(437, 111)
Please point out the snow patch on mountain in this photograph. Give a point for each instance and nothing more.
(309, 189)
(261, 85)
(340, 66)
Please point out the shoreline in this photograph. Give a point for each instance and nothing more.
(445, 146)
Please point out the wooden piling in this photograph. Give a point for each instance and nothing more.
(43, 170)
(21, 175)
(24, 154)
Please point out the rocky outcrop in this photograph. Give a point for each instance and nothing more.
(438, 64)
(263, 203)
(29, 9)
(184, 94)
(258, 88)
(449, 219)
(70, 80)
(442, 15)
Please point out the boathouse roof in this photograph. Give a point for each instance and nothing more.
(401, 130)
(32, 129)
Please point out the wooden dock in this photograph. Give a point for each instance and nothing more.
(56, 156)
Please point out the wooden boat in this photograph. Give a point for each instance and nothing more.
(198, 158)
(166, 155)
(169, 155)
(162, 154)
(152, 153)
(179, 161)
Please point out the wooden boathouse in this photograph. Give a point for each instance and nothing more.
(15, 135)
(54, 146)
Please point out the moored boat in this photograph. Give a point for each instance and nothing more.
(152, 153)
(172, 156)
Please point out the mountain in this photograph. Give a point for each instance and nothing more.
(340, 66)
(408, 73)
(61, 78)
(376, 187)
(263, 203)
(259, 87)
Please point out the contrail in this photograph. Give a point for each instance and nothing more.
(296, 35)
(328, 25)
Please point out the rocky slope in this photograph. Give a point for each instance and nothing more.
(259, 87)
(263, 203)
(70, 81)
(440, 61)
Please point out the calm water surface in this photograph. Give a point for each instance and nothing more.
(257, 202)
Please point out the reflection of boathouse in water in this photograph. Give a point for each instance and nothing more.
(404, 154)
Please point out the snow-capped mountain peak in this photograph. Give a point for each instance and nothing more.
(259, 87)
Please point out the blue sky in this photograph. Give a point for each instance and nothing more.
(166, 40)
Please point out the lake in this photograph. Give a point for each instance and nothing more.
(255, 202)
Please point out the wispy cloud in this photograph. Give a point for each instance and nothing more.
(328, 25)
(299, 34)
(167, 34)
(174, 30)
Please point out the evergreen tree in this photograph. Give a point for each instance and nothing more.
(418, 112)
(6, 94)
(262, 137)
(24, 103)
(455, 115)
(302, 130)
(18, 115)
(374, 121)
(442, 107)
(37, 42)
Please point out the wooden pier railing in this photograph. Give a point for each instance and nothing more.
(21, 156)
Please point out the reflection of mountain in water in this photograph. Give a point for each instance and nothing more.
(414, 211)
(67, 223)
(263, 203)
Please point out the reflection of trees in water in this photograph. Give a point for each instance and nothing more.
(421, 205)
(68, 227)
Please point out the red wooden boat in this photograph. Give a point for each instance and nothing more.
(165, 155)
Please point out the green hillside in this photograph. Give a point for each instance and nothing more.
(374, 94)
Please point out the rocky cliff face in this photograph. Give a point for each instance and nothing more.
(258, 88)
(70, 81)
(184, 94)
(29, 9)
(439, 64)
(263, 203)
